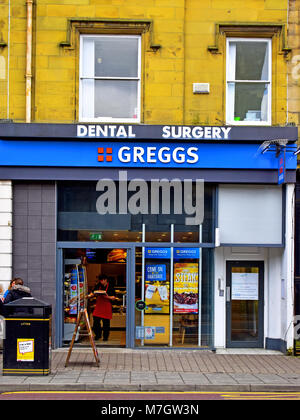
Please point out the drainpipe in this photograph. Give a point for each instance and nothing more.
(8, 58)
(29, 4)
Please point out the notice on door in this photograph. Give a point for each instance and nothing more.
(244, 286)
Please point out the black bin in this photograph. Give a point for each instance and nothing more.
(27, 343)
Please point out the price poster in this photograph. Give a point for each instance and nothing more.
(25, 350)
(186, 288)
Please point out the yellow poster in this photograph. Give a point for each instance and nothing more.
(186, 288)
(157, 297)
(25, 350)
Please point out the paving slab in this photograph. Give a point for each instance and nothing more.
(164, 370)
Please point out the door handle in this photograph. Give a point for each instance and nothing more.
(228, 297)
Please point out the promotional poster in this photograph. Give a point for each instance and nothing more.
(186, 288)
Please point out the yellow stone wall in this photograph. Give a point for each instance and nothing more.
(183, 28)
(294, 63)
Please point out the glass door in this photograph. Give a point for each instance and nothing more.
(244, 303)
(104, 272)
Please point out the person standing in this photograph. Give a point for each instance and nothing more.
(103, 309)
(17, 291)
(11, 284)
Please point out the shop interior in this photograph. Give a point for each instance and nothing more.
(82, 268)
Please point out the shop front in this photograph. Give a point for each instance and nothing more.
(191, 225)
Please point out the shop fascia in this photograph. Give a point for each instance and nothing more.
(167, 132)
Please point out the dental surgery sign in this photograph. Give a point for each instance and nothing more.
(165, 132)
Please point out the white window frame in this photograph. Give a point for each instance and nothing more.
(230, 99)
(90, 104)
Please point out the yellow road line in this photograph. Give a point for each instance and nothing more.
(222, 394)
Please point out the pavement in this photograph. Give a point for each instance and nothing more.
(121, 369)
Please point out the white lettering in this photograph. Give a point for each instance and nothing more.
(164, 158)
(197, 132)
(226, 132)
(151, 154)
(138, 153)
(92, 130)
(178, 157)
(166, 131)
(112, 130)
(102, 131)
(216, 133)
(176, 132)
(130, 132)
(207, 132)
(124, 157)
(186, 132)
(121, 132)
(192, 152)
(81, 130)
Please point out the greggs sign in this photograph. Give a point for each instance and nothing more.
(148, 154)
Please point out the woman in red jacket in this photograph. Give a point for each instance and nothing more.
(105, 293)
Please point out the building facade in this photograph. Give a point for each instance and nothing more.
(294, 116)
(151, 142)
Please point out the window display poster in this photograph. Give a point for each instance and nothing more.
(244, 286)
(157, 297)
(156, 272)
(186, 288)
(73, 292)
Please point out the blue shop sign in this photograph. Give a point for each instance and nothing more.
(138, 155)
(158, 253)
(180, 253)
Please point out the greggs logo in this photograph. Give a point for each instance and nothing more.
(150, 154)
(107, 154)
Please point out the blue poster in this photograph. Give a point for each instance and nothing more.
(158, 253)
(156, 272)
(181, 253)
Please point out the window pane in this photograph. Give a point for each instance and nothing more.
(116, 99)
(251, 60)
(250, 214)
(116, 57)
(251, 101)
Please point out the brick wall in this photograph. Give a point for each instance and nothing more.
(183, 28)
(34, 237)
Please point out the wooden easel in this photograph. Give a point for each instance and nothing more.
(82, 312)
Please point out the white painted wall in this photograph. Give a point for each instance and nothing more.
(287, 275)
(278, 282)
(5, 233)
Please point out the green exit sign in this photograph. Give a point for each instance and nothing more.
(95, 236)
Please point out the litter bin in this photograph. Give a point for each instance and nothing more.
(27, 343)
